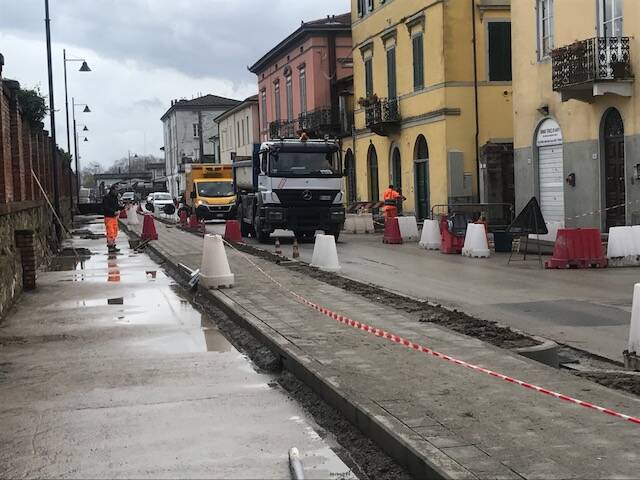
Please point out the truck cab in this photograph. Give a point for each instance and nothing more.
(210, 192)
(294, 185)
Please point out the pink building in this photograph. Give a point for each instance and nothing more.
(306, 81)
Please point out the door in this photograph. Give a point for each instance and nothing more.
(615, 198)
(374, 187)
(422, 189)
(551, 183)
(350, 169)
(421, 177)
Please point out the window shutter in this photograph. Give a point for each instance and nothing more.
(500, 51)
(360, 12)
(391, 73)
(418, 62)
(370, 5)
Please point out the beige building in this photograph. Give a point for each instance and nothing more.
(239, 129)
(577, 110)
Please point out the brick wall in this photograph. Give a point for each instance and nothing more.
(25, 147)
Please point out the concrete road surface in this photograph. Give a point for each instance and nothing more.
(106, 371)
(588, 309)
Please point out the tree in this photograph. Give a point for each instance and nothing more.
(88, 174)
(33, 105)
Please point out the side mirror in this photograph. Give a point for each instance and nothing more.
(193, 194)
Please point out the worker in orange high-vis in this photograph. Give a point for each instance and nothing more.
(391, 198)
(111, 208)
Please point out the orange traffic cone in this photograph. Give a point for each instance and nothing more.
(296, 249)
(193, 221)
(392, 231)
(278, 248)
(183, 217)
(149, 229)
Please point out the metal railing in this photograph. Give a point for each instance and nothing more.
(599, 58)
(384, 110)
(497, 215)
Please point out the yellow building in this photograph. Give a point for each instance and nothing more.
(577, 110)
(432, 84)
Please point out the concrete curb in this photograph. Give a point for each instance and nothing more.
(546, 352)
(418, 456)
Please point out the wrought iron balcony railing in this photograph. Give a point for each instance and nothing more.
(317, 123)
(592, 60)
(383, 116)
(282, 129)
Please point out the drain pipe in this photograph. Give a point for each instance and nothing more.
(475, 91)
(295, 465)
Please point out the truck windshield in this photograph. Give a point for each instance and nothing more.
(305, 163)
(215, 189)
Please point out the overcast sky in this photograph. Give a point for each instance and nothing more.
(143, 53)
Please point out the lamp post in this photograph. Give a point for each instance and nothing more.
(83, 68)
(52, 118)
(135, 155)
(75, 140)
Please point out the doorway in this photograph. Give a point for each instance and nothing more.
(614, 181)
(350, 170)
(372, 163)
(421, 173)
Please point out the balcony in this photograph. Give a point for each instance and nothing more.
(590, 68)
(382, 116)
(317, 123)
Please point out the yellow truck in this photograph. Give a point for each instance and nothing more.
(209, 191)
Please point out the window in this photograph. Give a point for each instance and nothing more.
(276, 100)
(237, 134)
(610, 15)
(364, 6)
(545, 28)
(499, 34)
(303, 91)
(244, 142)
(391, 73)
(418, 62)
(263, 107)
(368, 76)
(247, 127)
(196, 130)
(289, 97)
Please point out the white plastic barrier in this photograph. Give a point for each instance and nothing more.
(359, 223)
(350, 223)
(634, 329)
(325, 254)
(430, 239)
(621, 243)
(408, 229)
(215, 271)
(475, 241)
(132, 216)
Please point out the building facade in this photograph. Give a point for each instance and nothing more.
(577, 110)
(432, 83)
(304, 82)
(183, 124)
(239, 129)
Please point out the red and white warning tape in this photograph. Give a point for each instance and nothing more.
(421, 348)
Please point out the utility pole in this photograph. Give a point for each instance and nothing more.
(52, 117)
(66, 99)
(75, 148)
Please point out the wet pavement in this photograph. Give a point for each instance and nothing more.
(107, 370)
(588, 309)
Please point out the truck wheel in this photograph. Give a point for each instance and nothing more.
(260, 234)
(245, 229)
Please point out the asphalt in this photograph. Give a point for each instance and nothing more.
(107, 371)
(437, 417)
(589, 309)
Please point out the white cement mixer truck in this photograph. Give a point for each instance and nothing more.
(293, 185)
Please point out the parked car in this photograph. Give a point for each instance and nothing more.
(128, 197)
(158, 200)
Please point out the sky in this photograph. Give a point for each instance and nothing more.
(142, 54)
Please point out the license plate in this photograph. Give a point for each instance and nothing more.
(220, 215)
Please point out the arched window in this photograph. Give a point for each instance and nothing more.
(614, 169)
(372, 164)
(396, 168)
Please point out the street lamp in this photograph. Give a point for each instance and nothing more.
(75, 140)
(135, 155)
(83, 68)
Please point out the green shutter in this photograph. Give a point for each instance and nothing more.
(418, 62)
(500, 51)
(391, 73)
(368, 77)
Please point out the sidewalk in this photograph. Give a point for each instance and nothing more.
(461, 423)
(106, 372)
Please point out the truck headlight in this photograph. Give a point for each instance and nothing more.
(338, 198)
(202, 202)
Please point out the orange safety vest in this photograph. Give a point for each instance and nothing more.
(390, 196)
